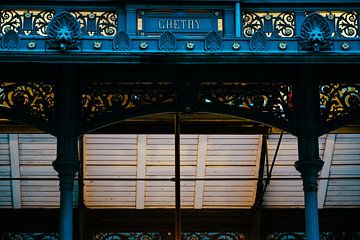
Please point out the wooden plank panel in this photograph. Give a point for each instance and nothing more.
(141, 170)
(15, 170)
(200, 171)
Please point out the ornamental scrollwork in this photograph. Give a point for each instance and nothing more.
(323, 235)
(34, 99)
(338, 100)
(97, 23)
(126, 236)
(64, 32)
(315, 33)
(343, 24)
(256, 97)
(281, 24)
(101, 98)
(215, 236)
(26, 22)
(30, 236)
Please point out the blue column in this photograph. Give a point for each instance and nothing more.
(306, 94)
(67, 103)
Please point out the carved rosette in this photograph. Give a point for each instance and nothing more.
(167, 41)
(64, 32)
(121, 41)
(315, 33)
(258, 42)
(10, 40)
(213, 41)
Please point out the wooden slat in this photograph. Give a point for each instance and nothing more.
(15, 169)
(141, 170)
(200, 171)
(325, 172)
(257, 168)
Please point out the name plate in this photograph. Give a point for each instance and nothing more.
(183, 22)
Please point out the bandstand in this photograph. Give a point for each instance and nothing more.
(180, 119)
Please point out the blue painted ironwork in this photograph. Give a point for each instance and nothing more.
(121, 41)
(315, 33)
(167, 41)
(213, 41)
(145, 24)
(30, 236)
(64, 32)
(10, 40)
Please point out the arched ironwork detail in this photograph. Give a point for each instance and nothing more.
(64, 32)
(315, 33)
(107, 103)
(29, 103)
(339, 105)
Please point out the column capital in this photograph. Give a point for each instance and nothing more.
(309, 171)
(66, 167)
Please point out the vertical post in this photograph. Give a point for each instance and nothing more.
(177, 179)
(309, 163)
(66, 164)
(238, 19)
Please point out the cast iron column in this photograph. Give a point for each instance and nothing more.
(309, 163)
(66, 163)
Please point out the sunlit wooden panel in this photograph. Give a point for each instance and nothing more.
(110, 157)
(231, 156)
(285, 193)
(345, 164)
(5, 186)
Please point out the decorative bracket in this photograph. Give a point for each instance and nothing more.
(315, 33)
(258, 41)
(167, 41)
(64, 32)
(213, 41)
(121, 41)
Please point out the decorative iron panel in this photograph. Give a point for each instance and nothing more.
(126, 236)
(29, 236)
(273, 24)
(338, 100)
(215, 236)
(273, 98)
(101, 98)
(35, 22)
(323, 236)
(28, 99)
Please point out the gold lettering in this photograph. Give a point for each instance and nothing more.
(161, 24)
